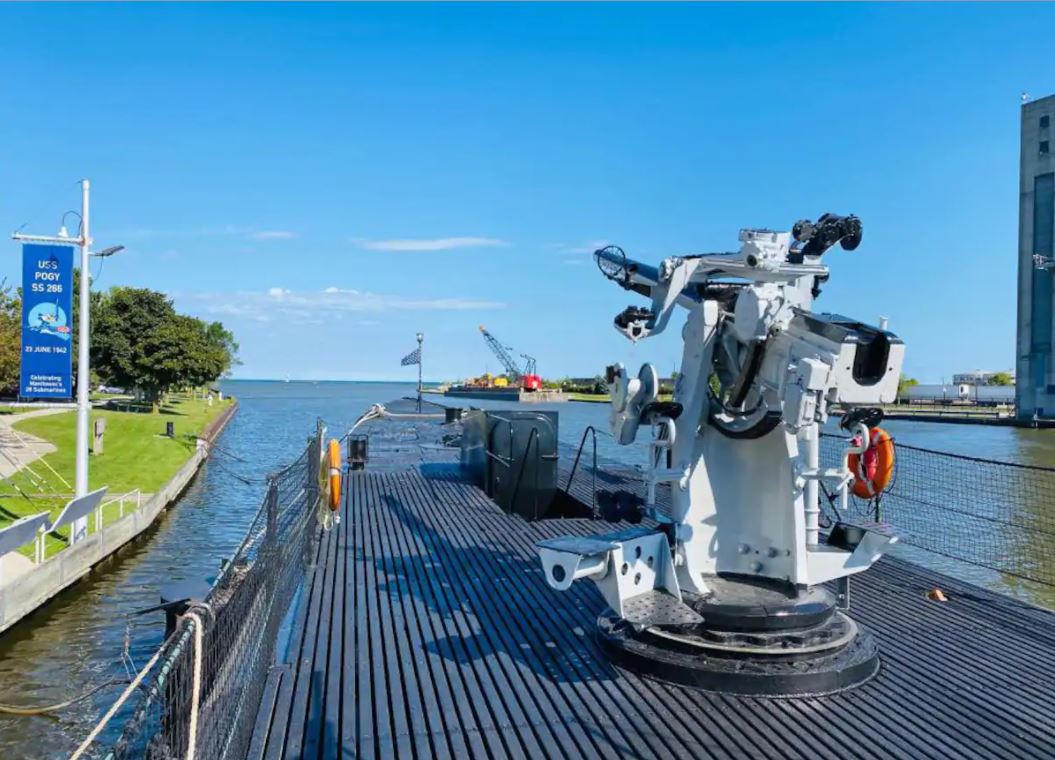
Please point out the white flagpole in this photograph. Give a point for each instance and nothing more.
(421, 337)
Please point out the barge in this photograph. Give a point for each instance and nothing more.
(510, 393)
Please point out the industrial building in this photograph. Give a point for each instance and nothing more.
(1035, 394)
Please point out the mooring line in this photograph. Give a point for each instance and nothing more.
(39, 710)
(79, 752)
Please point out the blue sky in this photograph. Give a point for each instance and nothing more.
(271, 165)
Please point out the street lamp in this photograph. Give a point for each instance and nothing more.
(84, 241)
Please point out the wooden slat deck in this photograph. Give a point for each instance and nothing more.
(427, 630)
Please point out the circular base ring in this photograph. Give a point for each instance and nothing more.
(783, 675)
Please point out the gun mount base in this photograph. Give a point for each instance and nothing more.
(756, 641)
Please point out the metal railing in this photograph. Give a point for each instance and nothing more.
(590, 430)
(200, 696)
(991, 515)
(100, 517)
(18, 535)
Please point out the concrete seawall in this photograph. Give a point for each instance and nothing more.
(36, 587)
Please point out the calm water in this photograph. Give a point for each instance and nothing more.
(77, 640)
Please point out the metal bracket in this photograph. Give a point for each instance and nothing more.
(625, 565)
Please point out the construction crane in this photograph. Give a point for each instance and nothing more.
(528, 379)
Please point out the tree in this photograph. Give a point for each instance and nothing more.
(904, 383)
(1001, 378)
(124, 326)
(10, 339)
(75, 325)
(139, 341)
(223, 339)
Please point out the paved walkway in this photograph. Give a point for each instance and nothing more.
(17, 449)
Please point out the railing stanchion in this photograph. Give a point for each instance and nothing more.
(575, 466)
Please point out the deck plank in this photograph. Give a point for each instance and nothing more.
(428, 631)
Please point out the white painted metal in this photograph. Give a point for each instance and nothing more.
(629, 397)
(21, 532)
(120, 502)
(744, 505)
(563, 567)
(76, 513)
(636, 567)
(624, 566)
(83, 366)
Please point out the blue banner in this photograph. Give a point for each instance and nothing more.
(47, 321)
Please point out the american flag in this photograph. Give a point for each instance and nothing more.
(414, 357)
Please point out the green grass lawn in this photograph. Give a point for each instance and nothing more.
(597, 398)
(136, 455)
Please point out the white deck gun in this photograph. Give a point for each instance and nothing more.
(743, 463)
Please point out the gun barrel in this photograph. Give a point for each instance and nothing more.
(626, 269)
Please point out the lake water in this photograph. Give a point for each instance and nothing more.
(77, 640)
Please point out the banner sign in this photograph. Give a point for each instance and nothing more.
(47, 321)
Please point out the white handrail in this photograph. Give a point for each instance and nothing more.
(24, 531)
(120, 502)
(860, 431)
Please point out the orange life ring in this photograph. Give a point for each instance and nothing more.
(874, 469)
(334, 461)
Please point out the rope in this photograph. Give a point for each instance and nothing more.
(378, 411)
(116, 706)
(226, 452)
(192, 737)
(26, 710)
(252, 592)
(237, 476)
(374, 412)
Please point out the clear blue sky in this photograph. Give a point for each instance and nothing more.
(254, 157)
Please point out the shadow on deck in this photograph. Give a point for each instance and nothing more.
(426, 629)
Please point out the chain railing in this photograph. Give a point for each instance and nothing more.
(999, 516)
(199, 700)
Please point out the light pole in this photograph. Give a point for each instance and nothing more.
(83, 370)
(83, 240)
(421, 337)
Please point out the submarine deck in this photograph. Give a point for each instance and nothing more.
(426, 629)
